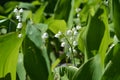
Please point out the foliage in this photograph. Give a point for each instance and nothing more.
(60, 40)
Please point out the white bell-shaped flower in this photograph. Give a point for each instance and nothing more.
(15, 10)
(75, 43)
(78, 27)
(63, 44)
(45, 35)
(69, 32)
(77, 10)
(21, 10)
(18, 17)
(75, 32)
(58, 34)
(20, 35)
(19, 26)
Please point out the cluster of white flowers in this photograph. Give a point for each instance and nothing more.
(18, 12)
(69, 38)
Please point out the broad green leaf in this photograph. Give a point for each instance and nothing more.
(97, 34)
(38, 15)
(26, 15)
(77, 3)
(112, 71)
(62, 10)
(57, 61)
(26, 5)
(51, 6)
(9, 48)
(89, 8)
(91, 70)
(71, 15)
(1, 9)
(9, 6)
(116, 16)
(20, 67)
(34, 61)
(34, 32)
(81, 40)
(9, 24)
(106, 40)
(69, 71)
(57, 25)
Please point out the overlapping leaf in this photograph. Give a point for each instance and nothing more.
(9, 48)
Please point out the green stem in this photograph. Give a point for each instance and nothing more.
(71, 49)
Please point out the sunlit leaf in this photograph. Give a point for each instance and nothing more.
(34, 62)
(91, 70)
(9, 6)
(116, 16)
(20, 67)
(38, 15)
(57, 25)
(112, 71)
(68, 70)
(9, 54)
(62, 9)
